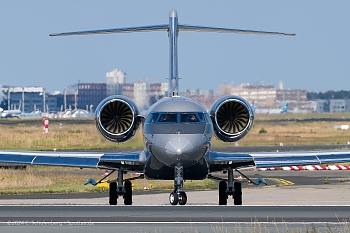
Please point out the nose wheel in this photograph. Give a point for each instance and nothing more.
(178, 198)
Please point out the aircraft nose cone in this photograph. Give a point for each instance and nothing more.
(178, 146)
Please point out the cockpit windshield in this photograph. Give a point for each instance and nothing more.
(189, 117)
(171, 117)
(152, 117)
(168, 118)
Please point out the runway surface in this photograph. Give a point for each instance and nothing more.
(311, 207)
(92, 218)
(188, 213)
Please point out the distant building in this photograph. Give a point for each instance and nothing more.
(157, 91)
(204, 97)
(332, 105)
(128, 90)
(265, 96)
(145, 94)
(338, 105)
(269, 97)
(91, 94)
(115, 81)
(26, 99)
(56, 102)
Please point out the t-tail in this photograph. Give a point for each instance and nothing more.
(285, 108)
(173, 29)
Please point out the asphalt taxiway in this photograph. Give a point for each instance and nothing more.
(304, 206)
(284, 188)
(189, 218)
(267, 196)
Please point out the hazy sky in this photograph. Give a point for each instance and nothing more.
(316, 59)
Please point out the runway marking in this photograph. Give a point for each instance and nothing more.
(281, 181)
(277, 180)
(170, 206)
(72, 223)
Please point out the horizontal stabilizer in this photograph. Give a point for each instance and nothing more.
(161, 27)
(182, 27)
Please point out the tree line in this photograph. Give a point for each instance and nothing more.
(328, 95)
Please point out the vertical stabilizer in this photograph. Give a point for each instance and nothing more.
(173, 66)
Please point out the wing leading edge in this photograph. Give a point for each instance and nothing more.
(275, 159)
(127, 160)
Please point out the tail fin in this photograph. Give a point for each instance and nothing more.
(285, 108)
(173, 29)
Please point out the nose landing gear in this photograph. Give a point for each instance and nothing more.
(178, 196)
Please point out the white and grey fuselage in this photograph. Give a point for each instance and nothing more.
(178, 139)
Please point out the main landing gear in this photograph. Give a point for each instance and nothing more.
(232, 188)
(178, 196)
(116, 187)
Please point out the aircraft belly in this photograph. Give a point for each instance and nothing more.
(154, 169)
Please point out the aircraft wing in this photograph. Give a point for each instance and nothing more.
(132, 161)
(222, 160)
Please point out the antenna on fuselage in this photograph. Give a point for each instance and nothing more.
(173, 29)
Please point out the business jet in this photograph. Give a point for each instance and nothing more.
(178, 133)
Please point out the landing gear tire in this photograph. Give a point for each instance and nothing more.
(237, 194)
(113, 197)
(128, 193)
(182, 198)
(173, 198)
(222, 193)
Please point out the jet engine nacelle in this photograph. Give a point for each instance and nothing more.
(232, 118)
(117, 118)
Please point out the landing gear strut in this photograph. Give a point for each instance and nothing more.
(178, 196)
(117, 189)
(232, 188)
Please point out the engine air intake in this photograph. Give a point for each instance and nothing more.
(117, 118)
(232, 118)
